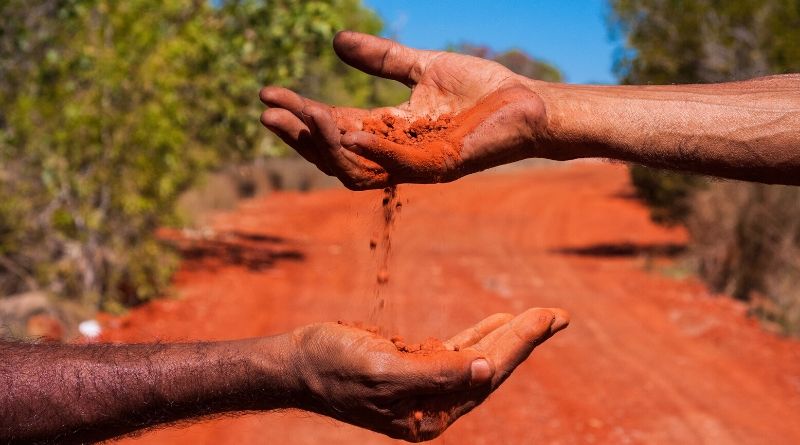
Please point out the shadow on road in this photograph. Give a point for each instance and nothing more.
(624, 250)
(253, 251)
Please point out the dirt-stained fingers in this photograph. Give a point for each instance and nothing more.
(445, 372)
(475, 333)
(512, 343)
(487, 351)
(312, 129)
(435, 161)
(277, 97)
(355, 172)
(295, 133)
(375, 147)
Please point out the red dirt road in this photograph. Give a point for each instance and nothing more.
(646, 359)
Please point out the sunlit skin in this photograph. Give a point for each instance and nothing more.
(80, 393)
(741, 130)
(59, 393)
(441, 83)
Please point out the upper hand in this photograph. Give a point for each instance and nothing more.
(361, 378)
(497, 117)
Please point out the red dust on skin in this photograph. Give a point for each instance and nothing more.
(430, 149)
(418, 132)
(433, 418)
(429, 346)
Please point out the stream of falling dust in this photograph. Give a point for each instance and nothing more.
(380, 314)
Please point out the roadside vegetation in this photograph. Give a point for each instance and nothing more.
(111, 111)
(745, 238)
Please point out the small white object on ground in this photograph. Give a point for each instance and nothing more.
(89, 328)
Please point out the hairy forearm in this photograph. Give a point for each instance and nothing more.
(741, 130)
(82, 393)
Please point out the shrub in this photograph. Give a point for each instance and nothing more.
(746, 243)
(109, 110)
(744, 237)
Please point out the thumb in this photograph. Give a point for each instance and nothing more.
(447, 371)
(511, 344)
(379, 57)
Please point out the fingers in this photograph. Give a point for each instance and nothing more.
(292, 131)
(310, 128)
(314, 133)
(277, 97)
(347, 119)
(390, 155)
(353, 171)
(503, 342)
(285, 118)
(444, 372)
(303, 108)
(474, 334)
(510, 345)
(435, 161)
(379, 57)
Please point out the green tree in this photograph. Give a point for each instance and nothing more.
(109, 110)
(745, 237)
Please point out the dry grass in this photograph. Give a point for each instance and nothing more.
(746, 243)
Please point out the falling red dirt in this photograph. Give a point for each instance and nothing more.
(648, 358)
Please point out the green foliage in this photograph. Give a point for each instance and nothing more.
(691, 41)
(329, 80)
(744, 237)
(109, 110)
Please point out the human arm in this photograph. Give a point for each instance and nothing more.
(56, 393)
(83, 393)
(748, 130)
(743, 130)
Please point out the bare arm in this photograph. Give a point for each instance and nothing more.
(741, 130)
(84, 393)
(87, 393)
(488, 116)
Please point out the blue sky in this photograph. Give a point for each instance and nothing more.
(571, 34)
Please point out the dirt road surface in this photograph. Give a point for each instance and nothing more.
(648, 358)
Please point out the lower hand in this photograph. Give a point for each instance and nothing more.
(361, 378)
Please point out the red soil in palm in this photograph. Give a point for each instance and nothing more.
(417, 132)
(647, 358)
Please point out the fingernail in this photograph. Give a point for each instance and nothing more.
(481, 372)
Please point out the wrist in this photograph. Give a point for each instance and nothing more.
(570, 121)
(302, 371)
(273, 360)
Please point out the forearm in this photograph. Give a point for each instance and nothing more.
(742, 130)
(76, 393)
